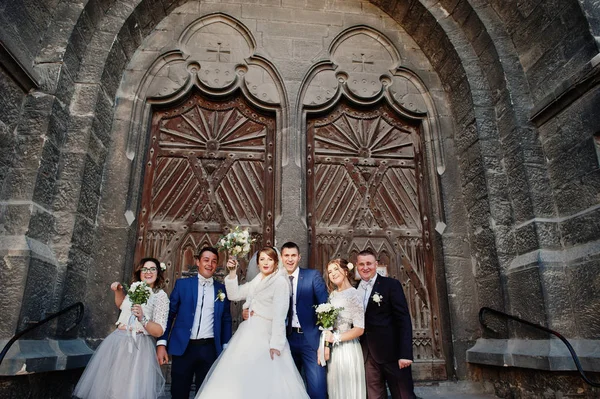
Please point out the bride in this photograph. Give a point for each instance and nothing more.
(257, 362)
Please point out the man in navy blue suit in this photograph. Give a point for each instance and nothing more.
(308, 289)
(198, 326)
(387, 341)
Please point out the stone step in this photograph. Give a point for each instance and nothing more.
(434, 390)
(453, 390)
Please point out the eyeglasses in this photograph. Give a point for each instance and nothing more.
(148, 269)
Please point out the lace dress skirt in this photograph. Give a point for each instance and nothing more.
(346, 366)
(115, 373)
(346, 372)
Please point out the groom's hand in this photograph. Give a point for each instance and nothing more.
(161, 355)
(402, 363)
(274, 352)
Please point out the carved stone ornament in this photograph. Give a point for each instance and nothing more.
(217, 54)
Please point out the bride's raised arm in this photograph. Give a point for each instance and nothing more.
(236, 292)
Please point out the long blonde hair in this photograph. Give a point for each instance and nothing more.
(343, 265)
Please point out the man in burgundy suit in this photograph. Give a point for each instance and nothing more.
(387, 341)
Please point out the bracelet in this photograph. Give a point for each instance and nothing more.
(327, 344)
(145, 321)
(337, 338)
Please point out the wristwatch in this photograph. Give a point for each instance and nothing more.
(145, 321)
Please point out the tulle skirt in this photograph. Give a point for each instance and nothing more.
(245, 369)
(346, 372)
(113, 372)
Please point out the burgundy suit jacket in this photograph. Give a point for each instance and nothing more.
(388, 327)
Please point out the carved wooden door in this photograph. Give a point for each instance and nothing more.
(209, 167)
(366, 188)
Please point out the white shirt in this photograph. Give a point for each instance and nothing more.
(204, 316)
(295, 320)
(365, 292)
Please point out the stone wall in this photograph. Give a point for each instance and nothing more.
(513, 89)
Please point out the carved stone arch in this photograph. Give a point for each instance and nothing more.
(373, 158)
(207, 117)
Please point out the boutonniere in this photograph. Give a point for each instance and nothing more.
(220, 296)
(377, 298)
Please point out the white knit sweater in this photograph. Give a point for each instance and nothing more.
(268, 298)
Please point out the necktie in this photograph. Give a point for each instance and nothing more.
(365, 286)
(204, 283)
(290, 313)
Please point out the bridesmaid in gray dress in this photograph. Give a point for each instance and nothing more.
(345, 369)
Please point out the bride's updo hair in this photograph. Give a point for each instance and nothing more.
(271, 253)
(342, 264)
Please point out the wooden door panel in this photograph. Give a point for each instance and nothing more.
(209, 167)
(366, 189)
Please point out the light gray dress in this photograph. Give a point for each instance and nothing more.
(346, 367)
(122, 367)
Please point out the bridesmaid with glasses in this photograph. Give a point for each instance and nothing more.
(125, 364)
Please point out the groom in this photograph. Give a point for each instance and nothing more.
(387, 341)
(198, 326)
(308, 289)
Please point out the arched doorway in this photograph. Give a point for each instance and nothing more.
(209, 167)
(367, 188)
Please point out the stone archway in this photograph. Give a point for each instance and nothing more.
(367, 189)
(206, 123)
(372, 161)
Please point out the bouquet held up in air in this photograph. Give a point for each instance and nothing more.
(236, 243)
(326, 316)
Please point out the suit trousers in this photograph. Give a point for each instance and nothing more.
(196, 361)
(398, 380)
(306, 360)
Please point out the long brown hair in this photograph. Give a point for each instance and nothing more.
(343, 265)
(160, 277)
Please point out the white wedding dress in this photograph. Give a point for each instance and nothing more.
(245, 369)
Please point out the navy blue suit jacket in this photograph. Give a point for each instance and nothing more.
(388, 327)
(182, 309)
(311, 291)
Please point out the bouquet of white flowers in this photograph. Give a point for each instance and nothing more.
(139, 292)
(236, 243)
(326, 316)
